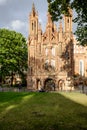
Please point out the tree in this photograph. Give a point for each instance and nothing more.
(59, 7)
(13, 54)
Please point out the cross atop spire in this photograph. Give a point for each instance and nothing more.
(33, 7)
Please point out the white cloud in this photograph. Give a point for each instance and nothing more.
(2, 2)
(40, 20)
(17, 25)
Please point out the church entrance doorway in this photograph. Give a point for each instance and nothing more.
(60, 84)
(38, 84)
(49, 84)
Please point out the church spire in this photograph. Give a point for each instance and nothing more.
(68, 22)
(33, 10)
(49, 21)
(33, 21)
(33, 7)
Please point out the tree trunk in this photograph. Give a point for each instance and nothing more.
(12, 78)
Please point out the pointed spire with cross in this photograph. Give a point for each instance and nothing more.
(33, 9)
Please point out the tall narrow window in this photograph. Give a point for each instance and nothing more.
(32, 25)
(53, 63)
(67, 20)
(53, 51)
(46, 51)
(35, 26)
(59, 49)
(81, 67)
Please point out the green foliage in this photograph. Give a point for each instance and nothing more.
(13, 53)
(59, 7)
(81, 19)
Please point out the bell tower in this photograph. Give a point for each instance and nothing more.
(68, 41)
(32, 43)
(33, 34)
(33, 22)
(68, 22)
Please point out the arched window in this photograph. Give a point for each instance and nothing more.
(68, 20)
(53, 51)
(32, 25)
(81, 67)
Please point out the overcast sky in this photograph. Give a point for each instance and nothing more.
(14, 14)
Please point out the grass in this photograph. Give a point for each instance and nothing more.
(43, 111)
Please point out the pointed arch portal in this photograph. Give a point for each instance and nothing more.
(49, 84)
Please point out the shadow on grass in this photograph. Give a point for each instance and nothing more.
(41, 111)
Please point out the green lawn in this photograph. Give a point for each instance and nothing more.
(43, 111)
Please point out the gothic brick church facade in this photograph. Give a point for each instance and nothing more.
(53, 56)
